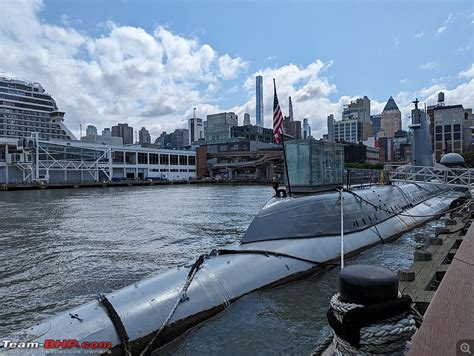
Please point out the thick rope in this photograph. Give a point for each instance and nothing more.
(322, 346)
(182, 297)
(385, 337)
(117, 323)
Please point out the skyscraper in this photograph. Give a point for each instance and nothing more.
(290, 113)
(144, 136)
(91, 130)
(124, 131)
(259, 101)
(358, 109)
(292, 128)
(195, 129)
(219, 125)
(176, 140)
(246, 119)
(376, 120)
(306, 129)
(391, 120)
(331, 122)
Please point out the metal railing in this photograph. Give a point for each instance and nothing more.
(456, 177)
(360, 178)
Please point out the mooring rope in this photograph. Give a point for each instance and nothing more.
(322, 346)
(383, 337)
(268, 254)
(182, 297)
(468, 202)
(116, 321)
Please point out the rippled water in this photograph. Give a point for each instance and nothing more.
(60, 248)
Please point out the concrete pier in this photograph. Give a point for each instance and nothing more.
(124, 183)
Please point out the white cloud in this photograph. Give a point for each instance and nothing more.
(445, 24)
(404, 81)
(430, 65)
(463, 48)
(419, 35)
(468, 73)
(124, 75)
(229, 67)
(156, 79)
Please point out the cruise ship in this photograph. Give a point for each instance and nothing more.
(25, 107)
(36, 146)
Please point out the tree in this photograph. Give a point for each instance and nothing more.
(469, 159)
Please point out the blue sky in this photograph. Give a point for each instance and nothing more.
(377, 49)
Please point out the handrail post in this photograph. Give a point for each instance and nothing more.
(341, 195)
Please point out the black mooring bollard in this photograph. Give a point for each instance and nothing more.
(367, 298)
(366, 285)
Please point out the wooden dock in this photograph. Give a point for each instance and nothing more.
(443, 288)
(433, 261)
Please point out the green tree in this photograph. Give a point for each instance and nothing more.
(469, 158)
(364, 165)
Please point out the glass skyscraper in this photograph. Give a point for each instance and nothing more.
(259, 100)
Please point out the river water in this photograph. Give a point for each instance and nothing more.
(60, 248)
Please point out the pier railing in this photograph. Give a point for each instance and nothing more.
(456, 177)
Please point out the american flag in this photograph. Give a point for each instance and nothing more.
(277, 117)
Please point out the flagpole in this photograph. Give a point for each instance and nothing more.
(286, 164)
(284, 151)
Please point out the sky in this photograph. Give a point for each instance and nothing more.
(149, 63)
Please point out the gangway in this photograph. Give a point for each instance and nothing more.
(439, 174)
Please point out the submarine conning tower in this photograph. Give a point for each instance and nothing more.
(422, 154)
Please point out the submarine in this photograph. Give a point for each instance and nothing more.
(291, 237)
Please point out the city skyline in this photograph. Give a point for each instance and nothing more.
(126, 66)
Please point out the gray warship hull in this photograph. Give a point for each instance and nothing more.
(299, 231)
